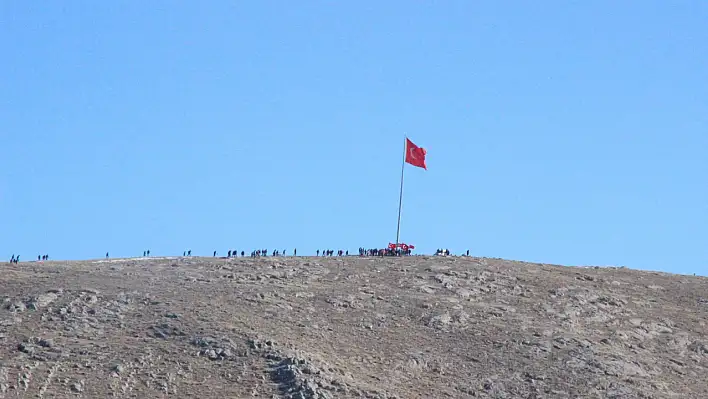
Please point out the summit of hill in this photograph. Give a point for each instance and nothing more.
(349, 327)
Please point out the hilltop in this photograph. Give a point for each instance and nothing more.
(412, 327)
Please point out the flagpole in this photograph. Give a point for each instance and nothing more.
(400, 197)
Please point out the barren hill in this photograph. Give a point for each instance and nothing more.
(415, 327)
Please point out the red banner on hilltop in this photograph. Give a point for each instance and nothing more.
(401, 245)
(415, 155)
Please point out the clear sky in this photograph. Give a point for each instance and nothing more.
(557, 131)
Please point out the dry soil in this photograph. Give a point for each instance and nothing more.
(414, 327)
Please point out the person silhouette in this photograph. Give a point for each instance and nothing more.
(215, 254)
(106, 255)
(189, 253)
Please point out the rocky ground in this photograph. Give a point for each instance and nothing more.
(418, 327)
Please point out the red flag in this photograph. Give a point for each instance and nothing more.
(415, 155)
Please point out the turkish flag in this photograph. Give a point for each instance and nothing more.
(415, 155)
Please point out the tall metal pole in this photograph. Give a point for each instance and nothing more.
(400, 197)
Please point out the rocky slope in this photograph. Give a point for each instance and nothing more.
(418, 327)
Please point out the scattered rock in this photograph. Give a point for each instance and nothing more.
(44, 300)
(213, 348)
(440, 321)
(165, 331)
(427, 290)
(77, 387)
(16, 307)
(211, 354)
(26, 348)
(289, 373)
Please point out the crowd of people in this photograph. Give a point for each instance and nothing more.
(446, 252)
(16, 258)
(392, 250)
(263, 252)
(385, 252)
(330, 252)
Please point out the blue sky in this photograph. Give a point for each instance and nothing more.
(561, 132)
